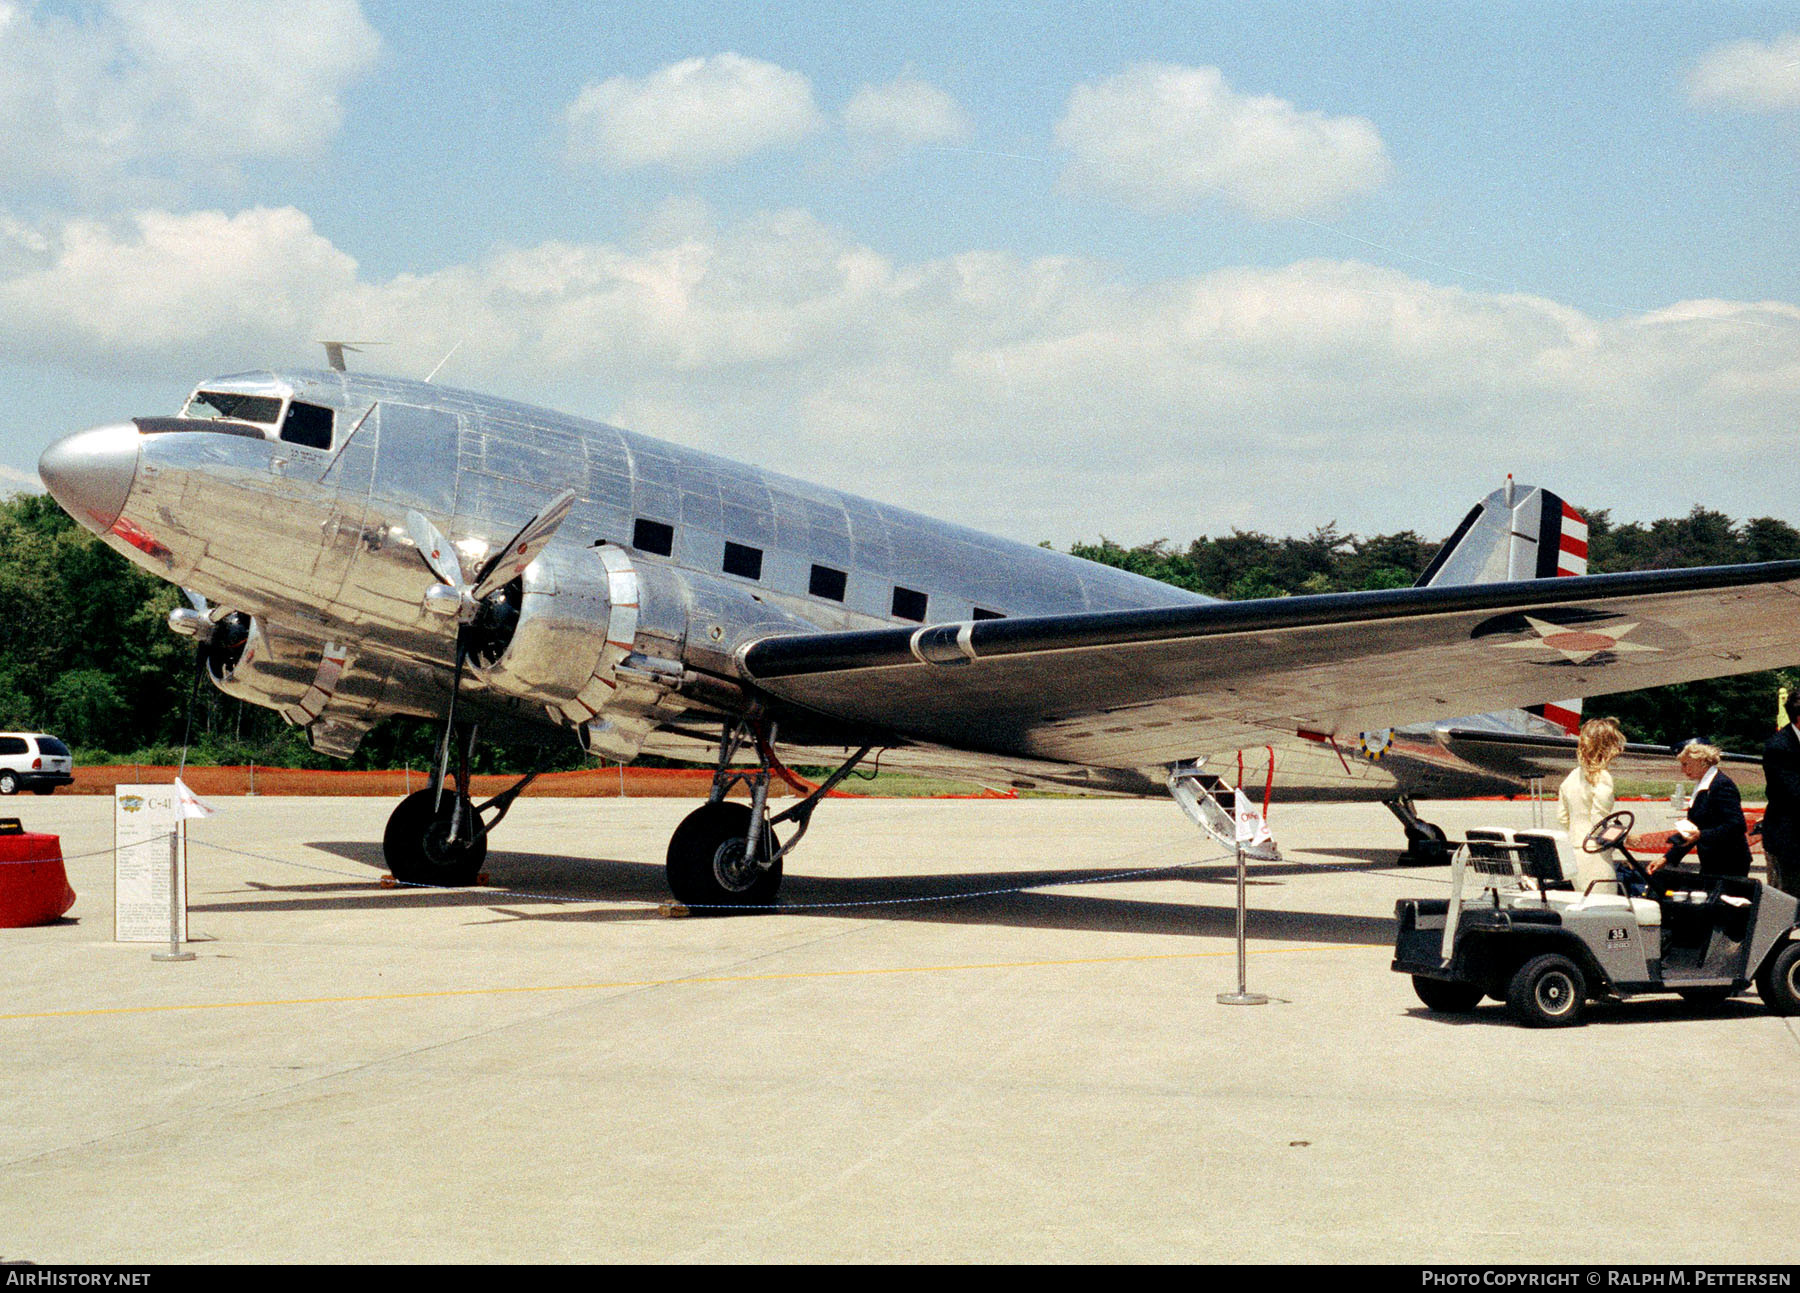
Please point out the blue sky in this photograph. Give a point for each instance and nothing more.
(1056, 270)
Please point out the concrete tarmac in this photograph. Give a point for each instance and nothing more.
(546, 1070)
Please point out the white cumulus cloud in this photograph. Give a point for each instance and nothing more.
(191, 81)
(1047, 398)
(905, 113)
(692, 115)
(1163, 138)
(162, 289)
(1757, 76)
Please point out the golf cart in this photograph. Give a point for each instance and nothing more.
(1515, 930)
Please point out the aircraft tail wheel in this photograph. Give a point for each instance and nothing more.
(707, 867)
(415, 847)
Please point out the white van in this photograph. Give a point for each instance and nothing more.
(35, 762)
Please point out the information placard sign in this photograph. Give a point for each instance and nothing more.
(144, 820)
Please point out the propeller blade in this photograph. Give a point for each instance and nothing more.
(509, 563)
(435, 549)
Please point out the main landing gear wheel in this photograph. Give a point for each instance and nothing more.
(707, 866)
(417, 847)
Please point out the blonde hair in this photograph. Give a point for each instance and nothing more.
(1599, 744)
(1700, 752)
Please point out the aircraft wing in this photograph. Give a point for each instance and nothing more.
(1130, 689)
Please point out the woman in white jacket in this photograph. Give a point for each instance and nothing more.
(1586, 796)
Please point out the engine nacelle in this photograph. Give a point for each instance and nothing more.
(255, 662)
(315, 685)
(598, 644)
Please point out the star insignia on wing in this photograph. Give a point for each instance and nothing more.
(1579, 645)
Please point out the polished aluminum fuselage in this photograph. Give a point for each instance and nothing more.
(314, 542)
(630, 649)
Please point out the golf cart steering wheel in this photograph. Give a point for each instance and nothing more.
(1609, 832)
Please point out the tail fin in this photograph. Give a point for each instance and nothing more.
(1518, 532)
(1515, 533)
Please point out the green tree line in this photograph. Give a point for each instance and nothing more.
(85, 651)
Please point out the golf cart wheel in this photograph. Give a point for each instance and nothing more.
(1779, 982)
(1549, 991)
(1446, 997)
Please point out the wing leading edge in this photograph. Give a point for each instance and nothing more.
(1129, 689)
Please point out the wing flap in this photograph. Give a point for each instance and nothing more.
(1134, 688)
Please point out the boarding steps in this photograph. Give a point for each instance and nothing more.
(1211, 805)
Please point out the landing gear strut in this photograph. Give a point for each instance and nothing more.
(1426, 843)
(438, 836)
(728, 855)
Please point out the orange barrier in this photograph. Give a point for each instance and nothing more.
(1659, 841)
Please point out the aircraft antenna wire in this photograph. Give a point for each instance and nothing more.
(440, 363)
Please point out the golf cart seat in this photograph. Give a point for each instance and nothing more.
(1646, 911)
(1536, 856)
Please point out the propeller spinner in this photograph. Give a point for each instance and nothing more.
(453, 596)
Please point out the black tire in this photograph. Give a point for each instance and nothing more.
(9, 782)
(1446, 997)
(705, 866)
(43, 790)
(1548, 991)
(412, 849)
(1778, 982)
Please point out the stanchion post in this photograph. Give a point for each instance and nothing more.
(174, 953)
(1242, 997)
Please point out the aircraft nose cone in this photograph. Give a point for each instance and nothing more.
(90, 472)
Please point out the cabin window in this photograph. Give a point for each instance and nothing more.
(653, 536)
(745, 562)
(827, 582)
(235, 408)
(307, 424)
(909, 605)
(982, 613)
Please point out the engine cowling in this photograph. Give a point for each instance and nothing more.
(597, 642)
(247, 659)
(318, 686)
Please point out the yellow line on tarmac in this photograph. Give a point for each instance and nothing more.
(668, 983)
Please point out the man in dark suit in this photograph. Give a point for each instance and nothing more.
(1714, 826)
(1781, 824)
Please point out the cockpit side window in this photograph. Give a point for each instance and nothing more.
(233, 407)
(307, 424)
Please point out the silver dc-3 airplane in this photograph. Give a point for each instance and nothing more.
(355, 546)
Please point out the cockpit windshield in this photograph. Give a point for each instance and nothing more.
(261, 409)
